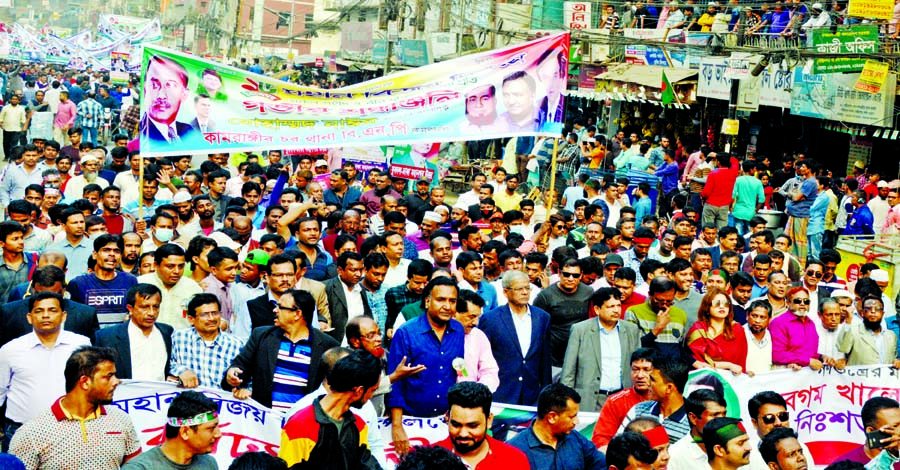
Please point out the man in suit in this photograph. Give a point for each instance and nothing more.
(346, 297)
(80, 318)
(165, 89)
(867, 343)
(202, 123)
(815, 269)
(519, 336)
(143, 345)
(316, 289)
(281, 362)
(591, 369)
(280, 277)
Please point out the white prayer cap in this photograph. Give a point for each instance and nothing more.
(433, 216)
(880, 275)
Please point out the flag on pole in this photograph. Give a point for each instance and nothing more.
(668, 94)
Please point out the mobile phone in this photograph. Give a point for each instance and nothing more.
(873, 439)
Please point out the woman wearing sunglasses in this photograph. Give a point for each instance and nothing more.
(716, 339)
(795, 341)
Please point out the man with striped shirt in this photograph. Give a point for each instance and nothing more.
(666, 398)
(280, 379)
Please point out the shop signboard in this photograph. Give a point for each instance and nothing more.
(774, 83)
(654, 55)
(860, 151)
(852, 42)
(833, 97)
(577, 15)
(872, 9)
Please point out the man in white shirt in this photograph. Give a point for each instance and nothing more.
(759, 340)
(19, 176)
(143, 345)
(689, 453)
(829, 328)
(90, 165)
(169, 277)
(31, 366)
(472, 197)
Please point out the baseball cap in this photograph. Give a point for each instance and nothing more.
(321, 163)
(258, 257)
(614, 259)
(859, 164)
(423, 180)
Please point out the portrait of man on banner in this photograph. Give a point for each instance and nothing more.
(519, 100)
(165, 89)
(552, 71)
(481, 111)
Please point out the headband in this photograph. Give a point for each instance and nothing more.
(199, 419)
(719, 273)
(731, 431)
(657, 436)
(642, 240)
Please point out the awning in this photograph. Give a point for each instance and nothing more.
(646, 75)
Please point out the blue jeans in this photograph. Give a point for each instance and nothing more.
(815, 244)
(89, 135)
(742, 226)
(9, 430)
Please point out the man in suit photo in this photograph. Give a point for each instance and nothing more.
(519, 336)
(165, 88)
(281, 362)
(598, 357)
(346, 297)
(80, 318)
(143, 345)
(279, 277)
(202, 107)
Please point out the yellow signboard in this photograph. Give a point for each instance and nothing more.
(872, 77)
(876, 9)
(730, 126)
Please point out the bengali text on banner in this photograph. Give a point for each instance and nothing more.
(195, 105)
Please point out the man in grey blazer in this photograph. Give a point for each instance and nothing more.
(597, 362)
(866, 342)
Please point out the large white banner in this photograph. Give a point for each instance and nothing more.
(825, 406)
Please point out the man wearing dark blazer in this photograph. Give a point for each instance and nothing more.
(524, 371)
(280, 272)
(585, 359)
(812, 275)
(260, 361)
(148, 360)
(346, 297)
(80, 318)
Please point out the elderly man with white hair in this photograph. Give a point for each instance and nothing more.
(90, 167)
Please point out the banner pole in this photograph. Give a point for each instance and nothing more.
(141, 190)
(550, 196)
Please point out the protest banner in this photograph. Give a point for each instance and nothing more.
(825, 406)
(248, 426)
(446, 101)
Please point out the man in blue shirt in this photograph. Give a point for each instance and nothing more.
(550, 443)
(669, 174)
(341, 192)
(434, 340)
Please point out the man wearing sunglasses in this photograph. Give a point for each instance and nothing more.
(867, 342)
(812, 276)
(795, 341)
(768, 411)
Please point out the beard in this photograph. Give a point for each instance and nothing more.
(90, 176)
(131, 259)
(466, 448)
(872, 325)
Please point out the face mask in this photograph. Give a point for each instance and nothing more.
(516, 229)
(163, 234)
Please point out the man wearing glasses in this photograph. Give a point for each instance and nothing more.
(281, 362)
(768, 411)
(795, 341)
(565, 301)
(867, 342)
(812, 276)
(201, 354)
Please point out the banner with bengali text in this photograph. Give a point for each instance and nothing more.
(509, 92)
(825, 406)
(248, 426)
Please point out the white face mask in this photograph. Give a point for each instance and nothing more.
(163, 234)
(516, 229)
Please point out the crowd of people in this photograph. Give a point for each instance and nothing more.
(374, 297)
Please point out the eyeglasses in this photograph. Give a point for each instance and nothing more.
(815, 274)
(770, 418)
(560, 227)
(287, 309)
(873, 309)
(801, 301)
(565, 274)
(205, 315)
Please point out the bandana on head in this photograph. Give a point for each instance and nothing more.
(731, 431)
(199, 419)
(657, 436)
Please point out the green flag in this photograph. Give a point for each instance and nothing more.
(668, 94)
